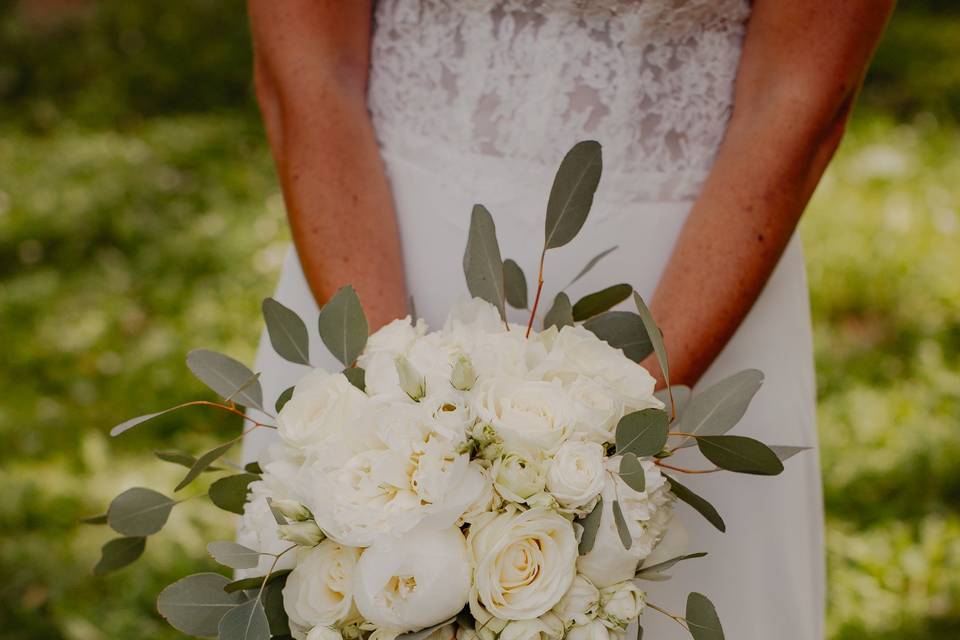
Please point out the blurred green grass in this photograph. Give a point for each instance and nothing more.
(139, 218)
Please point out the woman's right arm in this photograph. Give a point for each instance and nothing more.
(311, 62)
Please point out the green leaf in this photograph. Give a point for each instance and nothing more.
(283, 399)
(642, 433)
(288, 333)
(118, 553)
(202, 463)
(572, 193)
(591, 264)
(514, 284)
(357, 377)
(667, 564)
(653, 335)
(560, 314)
(247, 621)
(233, 555)
(277, 516)
(253, 467)
(590, 524)
(681, 396)
(632, 473)
(228, 377)
(639, 632)
(702, 619)
(139, 512)
(176, 456)
(622, 330)
(255, 582)
(230, 493)
(132, 422)
(101, 519)
(423, 633)
(600, 301)
(717, 409)
(273, 606)
(622, 529)
(482, 264)
(740, 454)
(343, 325)
(702, 507)
(785, 452)
(195, 604)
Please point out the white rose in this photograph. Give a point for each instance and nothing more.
(319, 590)
(531, 417)
(599, 408)
(414, 582)
(524, 562)
(322, 632)
(647, 514)
(446, 632)
(594, 630)
(621, 604)
(546, 627)
(471, 318)
(322, 404)
(579, 604)
(576, 474)
(516, 479)
(486, 501)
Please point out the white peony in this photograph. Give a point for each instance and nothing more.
(599, 408)
(621, 604)
(576, 474)
(647, 514)
(517, 479)
(414, 582)
(594, 630)
(322, 405)
(319, 591)
(532, 418)
(524, 562)
(579, 604)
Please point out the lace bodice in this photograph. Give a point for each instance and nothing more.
(652, 80)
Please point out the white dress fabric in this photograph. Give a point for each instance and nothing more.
(476, 101)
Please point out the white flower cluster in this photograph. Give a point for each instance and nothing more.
(454, 480)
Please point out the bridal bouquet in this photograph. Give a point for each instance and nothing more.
(481, 481)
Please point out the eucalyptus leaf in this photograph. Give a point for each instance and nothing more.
(195, 604)
(357, 377)
(118, 553)
(230, 493)
(101, 519)
(560, 314)
(423, 633)
(253, 467)
(785, 452)
(572, 193)
(702, 619)
(667, 564)
(600, 301)
(132, 422)
(247, 621)
(740, 454)
(233, 555)
(139, 512)
(287, 332)
(622, 529)
(654, 335)
(702, 507)
(202, 463)
(343, 325)
(482, 264)
(681, 396)
(718, 408)
(622, 330)
(591, 264)
(590, 524)
(272, 600)
(514, 284)
(255, 582)
(642, 433)
(181, 458)
(632, 473)
(639, 632)
(231, 379)
(283, 399)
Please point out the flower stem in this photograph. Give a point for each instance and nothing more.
(680, 620)
(683, 470)
(536, 299)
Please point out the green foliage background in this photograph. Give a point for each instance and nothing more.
(139, 217)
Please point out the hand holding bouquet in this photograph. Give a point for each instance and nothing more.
(482, 480)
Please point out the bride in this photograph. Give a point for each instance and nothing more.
(388, 121)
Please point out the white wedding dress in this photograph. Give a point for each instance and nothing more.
(476, 101)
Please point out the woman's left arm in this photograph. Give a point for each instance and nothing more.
(801, 67)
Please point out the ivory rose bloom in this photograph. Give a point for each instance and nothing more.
(532, 417)
(576, 474)
(322, 404)
(524, 562)
(321, 632)
(319, 591)
(546, 627)
(516, 479)
(579, 604)
(621, 604)
(594, 630)
(415, 581)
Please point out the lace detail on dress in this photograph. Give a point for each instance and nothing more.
(652, 80)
